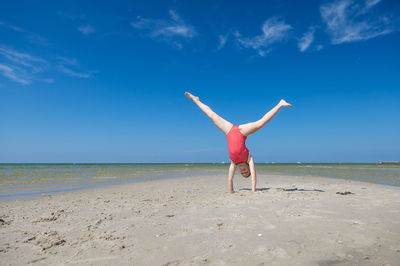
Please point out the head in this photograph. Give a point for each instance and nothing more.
(244, 169)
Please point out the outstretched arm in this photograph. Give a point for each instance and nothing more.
(253, 174)
(232, 169)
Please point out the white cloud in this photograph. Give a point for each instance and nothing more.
(20, 67)
(306, 40)
(11, 27)
(14, 74)
(273, 30)
(35, 64)
(37, 39)
(73, 73)
(368, 5)
(31, 36)
(264, 52)
(222, 41)
(71, 67)
(25, 68)
(371, 3)
(348, 22)
(86, 29)
(69, 61)
(237, 34)
(166, 29)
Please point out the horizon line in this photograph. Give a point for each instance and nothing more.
(379, 162)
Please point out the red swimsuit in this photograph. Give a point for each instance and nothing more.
(236, 145)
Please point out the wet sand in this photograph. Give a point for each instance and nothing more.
(195, 221)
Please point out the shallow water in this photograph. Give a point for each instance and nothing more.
(27, 180)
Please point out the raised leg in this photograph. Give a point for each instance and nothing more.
(250, 128)
(221, 123)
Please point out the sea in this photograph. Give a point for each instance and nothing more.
(30, 180)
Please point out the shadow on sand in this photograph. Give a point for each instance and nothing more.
(286, 189)
(258, 189)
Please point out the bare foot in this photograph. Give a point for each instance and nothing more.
(191, 96)
(284, 103)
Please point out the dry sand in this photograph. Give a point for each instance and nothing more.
(195, 221)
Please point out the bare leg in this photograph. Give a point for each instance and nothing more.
(250, 128)
(221, 123)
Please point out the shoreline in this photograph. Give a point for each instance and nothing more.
(64, 189)
(32, 180)
(67, 189)
(195, 221)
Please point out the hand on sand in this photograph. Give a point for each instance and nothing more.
(191, 96)
(284, 103)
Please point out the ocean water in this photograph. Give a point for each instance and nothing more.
(29, 180)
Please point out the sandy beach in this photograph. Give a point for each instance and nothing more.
(195, 221)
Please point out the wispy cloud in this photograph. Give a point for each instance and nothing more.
(20, 67)
(166, 29)
(32, 37)
(371, 3)
(37, 39)
(73, 73)
(15, 74)
(71, 67)
(347, 21)
(25, 68)
(273, 30)
(11, 27)
(222, 41)
(36, 64)
(86, 29)
(82, 22)
(306, 40)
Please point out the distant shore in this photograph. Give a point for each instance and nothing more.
(195, 221)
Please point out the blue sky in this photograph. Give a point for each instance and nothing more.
(97, 81)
